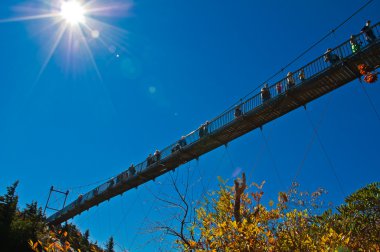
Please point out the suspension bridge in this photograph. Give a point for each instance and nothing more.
(319, 77)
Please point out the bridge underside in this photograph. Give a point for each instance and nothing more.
(318, 85)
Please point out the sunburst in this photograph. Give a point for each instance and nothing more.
(77, 21)
(73, 12)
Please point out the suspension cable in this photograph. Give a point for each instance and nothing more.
(313, 136)
(273, 160)
(332, 31)
(325, 153)
(370, 100)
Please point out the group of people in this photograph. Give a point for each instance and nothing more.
(290, 82)
(180, 144)
(203, 130)
(151, 159)
(329, 57)
(355, 43)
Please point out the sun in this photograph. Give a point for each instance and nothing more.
(77, 26)
(73, 12)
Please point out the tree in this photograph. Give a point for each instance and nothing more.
(359, 218)
(8, 210)
(110, 245)
(233, 218)
(26, 229)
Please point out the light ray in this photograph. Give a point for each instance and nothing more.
(107, 9)
(28, 18)
(58, 39)
(97, 70)
(114, 34)
(107, 25)
(90, 54)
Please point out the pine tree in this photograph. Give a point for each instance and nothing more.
(8, 210)
(110, 245)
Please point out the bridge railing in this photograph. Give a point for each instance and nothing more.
(311, 70)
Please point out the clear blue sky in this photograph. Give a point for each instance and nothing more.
(165, 67)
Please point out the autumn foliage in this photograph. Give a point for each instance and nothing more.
(26, 230)
(295, 222)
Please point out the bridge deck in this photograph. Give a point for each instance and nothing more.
(321, 78)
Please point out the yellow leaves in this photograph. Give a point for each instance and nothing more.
(234, 225)
(282, 197)
(34, 245)
(218, 232)
(271, 203)
(65, 234)
(66, 246)
(347, 240)
(271, 240)
(193, 244)
(257, 196)
(57, 246)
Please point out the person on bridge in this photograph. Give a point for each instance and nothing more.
(279, 87)
(79, 200)
(180, 144)
(149, 159)
(157, 156)
(265, 93)
(182, 141)
(238, 112)
(355, 44)
(331, 57)
(290, 80)
(368, 32)
(301, 75)
(132, 170)
(203, 129)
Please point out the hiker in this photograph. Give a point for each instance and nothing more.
(355, 44)
(132, 170)
(368, 32)
(203, 129)
(301, 75)
(290, 80)
(238, 112)
(279, 87)
(265, 93)
(157, 156)
(331, 57)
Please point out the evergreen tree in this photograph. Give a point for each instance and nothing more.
(8, 210)
(110, 245)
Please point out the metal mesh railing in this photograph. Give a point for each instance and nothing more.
(311, 70)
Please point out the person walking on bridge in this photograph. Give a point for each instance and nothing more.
(368, 32)
(331, 57)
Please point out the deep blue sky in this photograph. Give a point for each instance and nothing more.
(180, 63)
